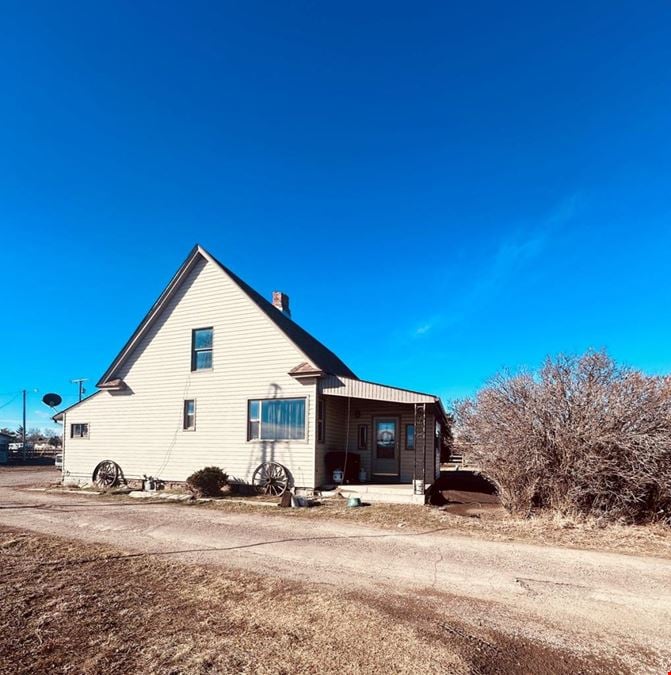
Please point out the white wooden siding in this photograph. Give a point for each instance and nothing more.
(141, 429)
(335, 434)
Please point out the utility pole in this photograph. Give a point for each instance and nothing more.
(80, 381)
(23, 428)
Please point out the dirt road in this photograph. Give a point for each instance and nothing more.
(585, 601)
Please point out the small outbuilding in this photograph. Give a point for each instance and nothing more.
(5, 440)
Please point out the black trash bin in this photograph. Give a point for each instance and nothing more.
(335, 459)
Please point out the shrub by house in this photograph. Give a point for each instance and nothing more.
(580, 436)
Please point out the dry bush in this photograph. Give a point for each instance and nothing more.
(581, 436)
(207, 482)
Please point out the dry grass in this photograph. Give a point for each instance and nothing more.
(487, 522)
(73, 608)
(484, 519)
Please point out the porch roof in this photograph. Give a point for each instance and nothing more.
(336, 385)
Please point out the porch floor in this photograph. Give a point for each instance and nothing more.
(390, 493)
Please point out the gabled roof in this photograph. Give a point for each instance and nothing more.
(315, 351)
(58, 417)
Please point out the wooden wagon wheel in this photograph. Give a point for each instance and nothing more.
(271, 478)
(106, 474)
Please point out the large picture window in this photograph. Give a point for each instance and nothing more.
(201, 349)
(276, 419)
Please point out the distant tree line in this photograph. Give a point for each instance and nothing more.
(35, 435)
(581, 436)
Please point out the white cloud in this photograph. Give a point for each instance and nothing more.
(512, 255)
(514, 252)
(423, 329)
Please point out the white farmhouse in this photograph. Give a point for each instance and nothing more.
(217, 375)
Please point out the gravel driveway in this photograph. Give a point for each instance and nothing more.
(583, 600)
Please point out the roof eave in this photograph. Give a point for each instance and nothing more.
(154, 310)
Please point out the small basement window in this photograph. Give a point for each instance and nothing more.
(276, 419)
(189, 415)
(79, 431)
(201, 349)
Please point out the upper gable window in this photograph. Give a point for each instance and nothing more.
(201, 349)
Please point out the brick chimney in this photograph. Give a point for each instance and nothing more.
(281, 301)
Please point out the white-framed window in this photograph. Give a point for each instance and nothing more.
(276, 419)
(79, 430)
(189, 419)
(201, 348)
(409, 436)
(362, 437)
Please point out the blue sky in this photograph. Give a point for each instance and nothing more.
(443, 189)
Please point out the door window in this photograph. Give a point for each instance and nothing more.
(385, 439)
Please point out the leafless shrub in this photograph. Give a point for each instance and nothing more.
(582, 437)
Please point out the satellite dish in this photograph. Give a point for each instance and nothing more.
(52, 400)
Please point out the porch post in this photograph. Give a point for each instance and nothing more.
(420, 433)
(414, 459)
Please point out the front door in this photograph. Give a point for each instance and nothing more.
(385, 448)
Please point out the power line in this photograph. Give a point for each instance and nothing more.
(11, 400)
(80, 382)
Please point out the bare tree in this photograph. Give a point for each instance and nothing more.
(34, 435)
(580, 436)
(52, 436)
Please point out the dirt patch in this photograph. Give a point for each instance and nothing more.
(70, 607)
(29, 476)
(465, 481)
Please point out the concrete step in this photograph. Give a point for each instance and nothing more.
(390, 494)
(378, 489)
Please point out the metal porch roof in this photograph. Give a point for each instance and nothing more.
(334, 385)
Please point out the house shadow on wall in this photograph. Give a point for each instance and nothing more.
(263, 450)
